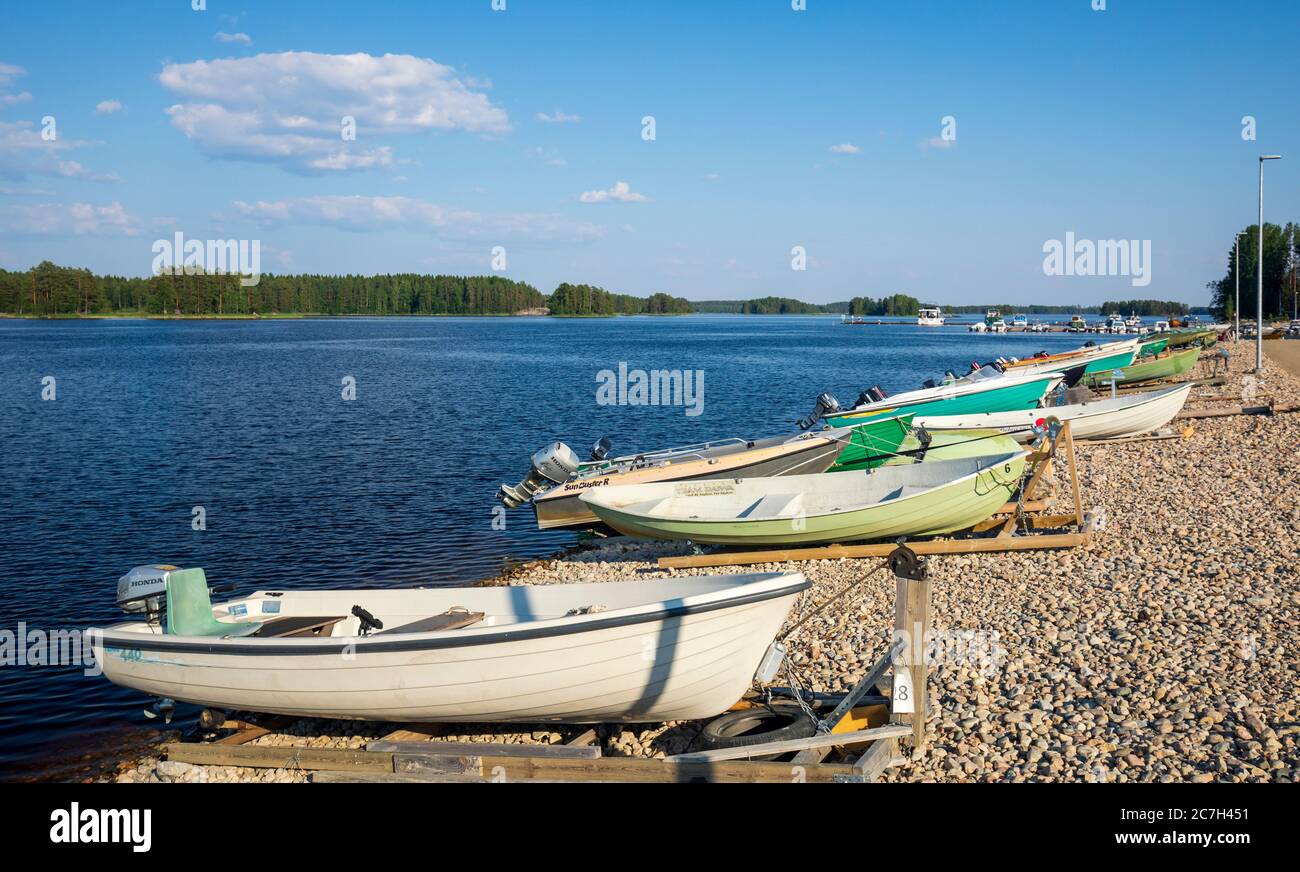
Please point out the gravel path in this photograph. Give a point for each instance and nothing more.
(1166, 650)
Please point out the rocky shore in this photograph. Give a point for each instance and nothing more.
(1166, 650)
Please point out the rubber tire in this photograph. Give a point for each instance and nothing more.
(756, 726)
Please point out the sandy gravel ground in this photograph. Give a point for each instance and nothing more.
(1166, 650)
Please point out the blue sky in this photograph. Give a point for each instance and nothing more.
(1115, 124)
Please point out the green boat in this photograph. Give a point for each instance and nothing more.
(1172, 364)
(996, 393)
(916, 499)
(1192, 336)
(1152, 347)
(946, 445)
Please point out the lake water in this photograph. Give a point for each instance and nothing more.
(302, 488)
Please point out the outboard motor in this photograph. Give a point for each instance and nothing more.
(825, 405)
(600, 450)
(928, 383)
(144, 589)
(553, 464)
(873, 394)
(923, 436)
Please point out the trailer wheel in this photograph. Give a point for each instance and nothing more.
(756, 726)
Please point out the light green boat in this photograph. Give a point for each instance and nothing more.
(1149, 369)
(915, 499)
(945, 445)
(1192, 336)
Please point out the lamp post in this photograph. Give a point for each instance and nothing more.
(1236, 309)
(1259, 270)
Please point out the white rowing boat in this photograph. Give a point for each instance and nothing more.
(1095, 419)
(661, 650)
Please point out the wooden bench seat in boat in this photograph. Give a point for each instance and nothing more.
(301, 625)
(452, 619)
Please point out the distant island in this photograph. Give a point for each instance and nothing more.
(51, 291)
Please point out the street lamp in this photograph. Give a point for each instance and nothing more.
(1259, 269)
(1236, 309)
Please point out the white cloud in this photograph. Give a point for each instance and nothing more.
(557, 118)
(23, 152)
(108, 107)
(845, 148)
(9, 74)
(711, 177)
(937, 142)
(241, 38)
(288, 108)
(364, 213)
(77, 219)
(620, 193)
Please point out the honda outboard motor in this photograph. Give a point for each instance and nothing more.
(553, 464)
(600, 450)
(144, 589)
(825, 405)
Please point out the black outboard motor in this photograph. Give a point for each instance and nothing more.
(825, 405)
(600, 450)
(923, 436)
(928, 383)
(873, 394)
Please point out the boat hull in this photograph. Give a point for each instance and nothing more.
(686, 657)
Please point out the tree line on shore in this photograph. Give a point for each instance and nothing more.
(50, 290)
(1281, 269)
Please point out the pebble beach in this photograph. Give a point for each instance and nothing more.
(1167, 649)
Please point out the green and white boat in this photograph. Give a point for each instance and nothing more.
(1165, 366)
(916, 499)
(1001, 392)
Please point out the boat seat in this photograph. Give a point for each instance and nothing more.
(189, 608)
(299, 625)
(775, 506)
(452, 619)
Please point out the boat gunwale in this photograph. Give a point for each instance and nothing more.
(465, 637)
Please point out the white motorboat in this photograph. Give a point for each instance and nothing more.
(667, 649)
(930, 316)
(1109, 418)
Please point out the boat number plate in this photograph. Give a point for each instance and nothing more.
(903, 697)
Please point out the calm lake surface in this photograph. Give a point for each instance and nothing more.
(302, 488)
